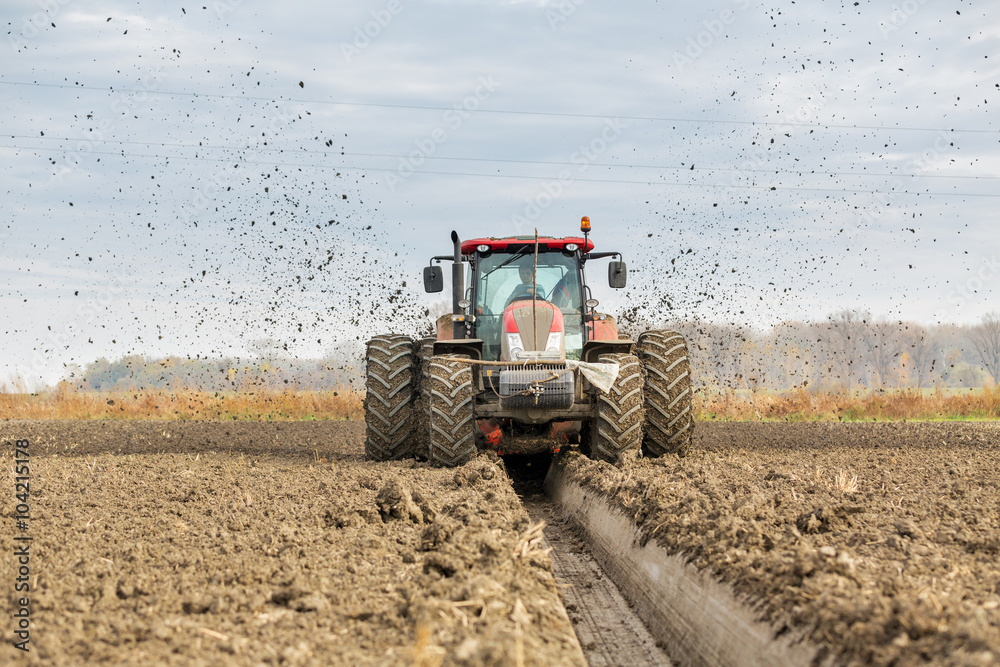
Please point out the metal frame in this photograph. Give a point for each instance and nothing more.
(577, 411)
(581, 273)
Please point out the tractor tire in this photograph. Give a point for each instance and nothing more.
(389, 398)
(615, 435)
(451, 416)
(669, 418)
(423, 350)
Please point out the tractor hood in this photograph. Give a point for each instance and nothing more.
(528, 328)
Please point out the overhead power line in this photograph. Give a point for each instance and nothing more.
(520, 112)
(297, 151)
(515, 176)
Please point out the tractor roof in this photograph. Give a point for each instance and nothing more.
(511, 243)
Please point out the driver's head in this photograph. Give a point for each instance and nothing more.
(526, 273)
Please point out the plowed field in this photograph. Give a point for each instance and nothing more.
(243, 543)
(213, 543)
(880, 543)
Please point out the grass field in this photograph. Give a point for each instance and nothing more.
(890, 405)
(294, 405)
(284, 405)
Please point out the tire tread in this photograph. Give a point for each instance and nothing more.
(668, 393)
(389, 390)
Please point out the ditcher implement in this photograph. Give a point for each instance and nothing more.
(525, 363)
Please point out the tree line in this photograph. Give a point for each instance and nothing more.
(266, 373)
(850, 349)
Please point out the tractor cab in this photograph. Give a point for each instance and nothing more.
(528, 297)
(507, 283)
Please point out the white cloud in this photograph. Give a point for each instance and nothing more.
(139, 188)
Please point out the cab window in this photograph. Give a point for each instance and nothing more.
(500, 283)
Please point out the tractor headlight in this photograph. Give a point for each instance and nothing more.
(515, 345)
(554, 342)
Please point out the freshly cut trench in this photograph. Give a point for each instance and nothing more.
(609, 631)
(697, 619)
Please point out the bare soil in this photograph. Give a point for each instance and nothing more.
(275, 543)
(203, 543)
(878, 542)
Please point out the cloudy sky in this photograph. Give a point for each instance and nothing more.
(191, 179)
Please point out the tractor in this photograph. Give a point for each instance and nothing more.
(525, 363)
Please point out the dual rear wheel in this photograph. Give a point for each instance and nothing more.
(418, 404)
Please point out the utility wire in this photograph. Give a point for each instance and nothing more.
(518, 176)
(429, 107)
(799, 172)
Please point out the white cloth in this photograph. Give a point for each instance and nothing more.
(602, 375)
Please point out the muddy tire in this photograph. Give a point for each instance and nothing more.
(423, 350)
(389, 398)
(615, 435)
(452, 423)
(669, 418)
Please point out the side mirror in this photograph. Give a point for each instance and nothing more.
(617, 274)
(433, 279)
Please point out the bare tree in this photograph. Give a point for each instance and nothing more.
(718, 350)
(986, 339)
(882, 341)
(921, 347)
(849, 329)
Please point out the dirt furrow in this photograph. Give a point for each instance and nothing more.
(608, 629)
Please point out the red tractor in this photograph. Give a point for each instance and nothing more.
(525, 363)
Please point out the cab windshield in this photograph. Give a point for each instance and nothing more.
(500, 283)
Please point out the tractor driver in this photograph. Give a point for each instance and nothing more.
(523, 291)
